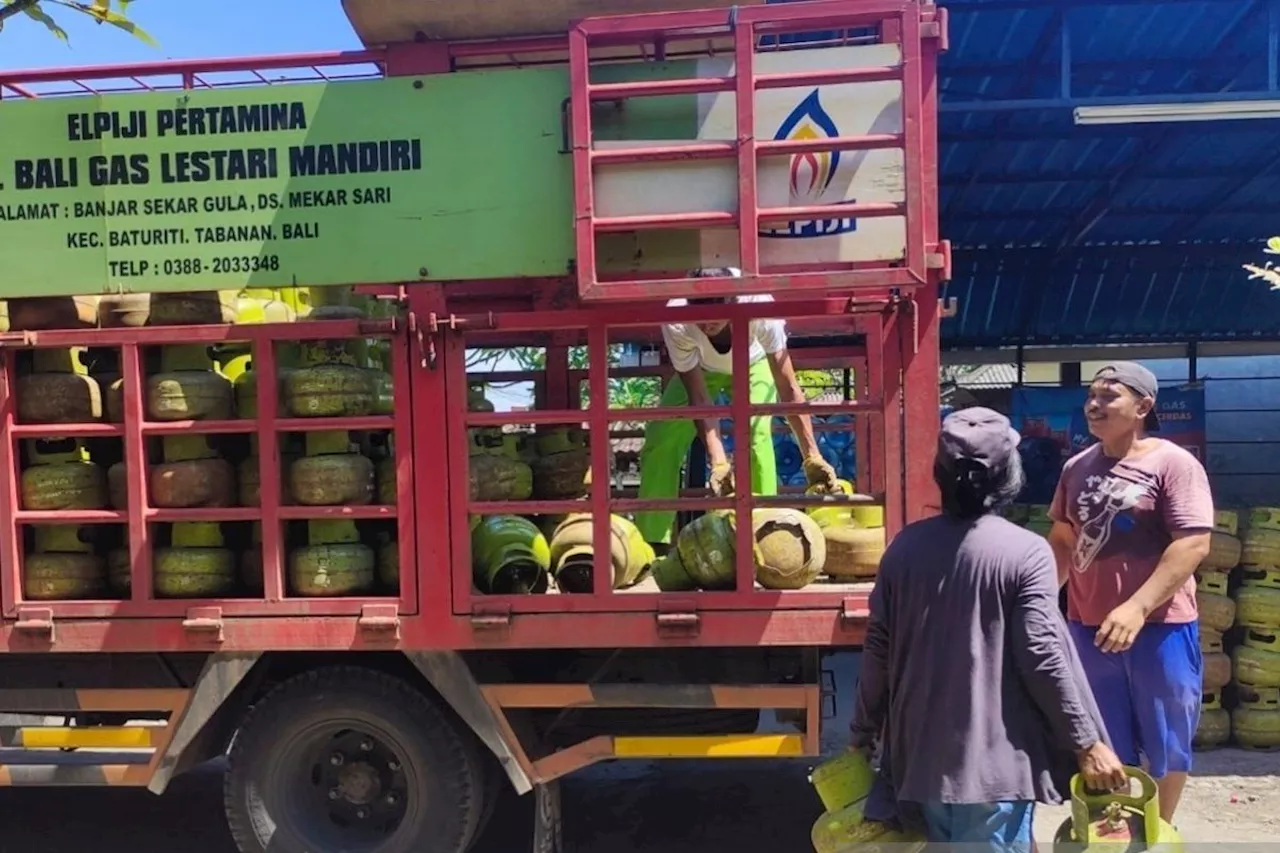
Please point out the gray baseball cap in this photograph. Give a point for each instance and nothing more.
(980, 435)
(1137, 379)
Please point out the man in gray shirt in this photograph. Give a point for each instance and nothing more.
(968, 672)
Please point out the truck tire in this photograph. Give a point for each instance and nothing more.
(348, 759)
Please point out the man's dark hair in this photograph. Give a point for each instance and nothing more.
(971, 489)
(712, 272)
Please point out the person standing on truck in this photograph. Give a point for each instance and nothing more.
(702, 355)
(1132, 517)
(969, 678)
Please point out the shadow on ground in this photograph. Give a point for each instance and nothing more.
(712, 807)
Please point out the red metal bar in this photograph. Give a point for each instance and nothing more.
(70, 516)
(797, 79)
(212, 513)
(302, 330)
(313, 626)
(247, 425)
(414, 555)
(10, 496)
(67, 430)
(745, 114)
(135, 460)
(743, 464)
(664, 153)
(363, 422)
(913, 128)
(656, 88)
(893, 439)
(305, 513)
(664, 413)
(270, 490)
(862, 210)
(452, 453)
(647, 314)
(865, 142)
(875, 426)
(583, 178)
(601, 457)
(656, 290)
(189, 66)
(654, 221)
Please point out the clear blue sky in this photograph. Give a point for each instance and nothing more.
(185, 29)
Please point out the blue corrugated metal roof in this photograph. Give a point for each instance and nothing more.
(1127, 294)
(1021, 174)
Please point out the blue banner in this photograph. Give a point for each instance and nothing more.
(1053, 428)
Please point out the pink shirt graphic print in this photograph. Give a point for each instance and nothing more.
(1124, 513)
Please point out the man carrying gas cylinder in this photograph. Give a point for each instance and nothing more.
(969, 678)
(702, 355)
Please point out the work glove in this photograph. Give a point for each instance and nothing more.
(721, 482)
(818, 472)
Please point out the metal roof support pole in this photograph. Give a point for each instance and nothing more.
(1064, 58)
(1273, 45)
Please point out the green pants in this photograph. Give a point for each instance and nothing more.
(667, 443)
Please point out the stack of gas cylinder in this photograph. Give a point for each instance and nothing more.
(1238, 594)
(1217, 614)
(199, 383)
(1255, 720)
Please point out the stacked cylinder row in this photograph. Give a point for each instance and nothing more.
(517, 554)
(188, 470)
(1238, 595)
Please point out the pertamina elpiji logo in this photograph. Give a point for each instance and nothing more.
(812, 174)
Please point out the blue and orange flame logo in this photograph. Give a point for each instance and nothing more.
(811, 174)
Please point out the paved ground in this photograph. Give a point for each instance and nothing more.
(750, 807)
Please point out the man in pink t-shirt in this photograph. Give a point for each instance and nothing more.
(1132, 519)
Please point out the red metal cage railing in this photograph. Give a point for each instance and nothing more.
(916, 27)
(882, 339)
(199, 616)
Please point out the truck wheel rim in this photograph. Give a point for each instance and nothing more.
(344, 783)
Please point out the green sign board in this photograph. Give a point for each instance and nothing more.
(454, 176)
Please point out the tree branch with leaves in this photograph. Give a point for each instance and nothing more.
(113, 13)
(1268, 272)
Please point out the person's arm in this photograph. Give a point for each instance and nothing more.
(772, 336)
(1062, 536)
(1062, 541)
(695, 383)
(1051, 671)
(872, 704)
(789, 391)
(1044, 660)
(1188, 516)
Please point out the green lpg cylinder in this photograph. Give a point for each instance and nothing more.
(848, 831)
(572, 553)
(1116, 821)
(707, 548)
(670, 574)
(509, 555)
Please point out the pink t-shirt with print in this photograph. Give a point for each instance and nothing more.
(1123, 512)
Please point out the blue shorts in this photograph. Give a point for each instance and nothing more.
(1149, 696)
(1004, 827)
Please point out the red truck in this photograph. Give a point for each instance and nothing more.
(293, 572)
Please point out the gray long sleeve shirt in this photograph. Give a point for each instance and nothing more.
(968, 669)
